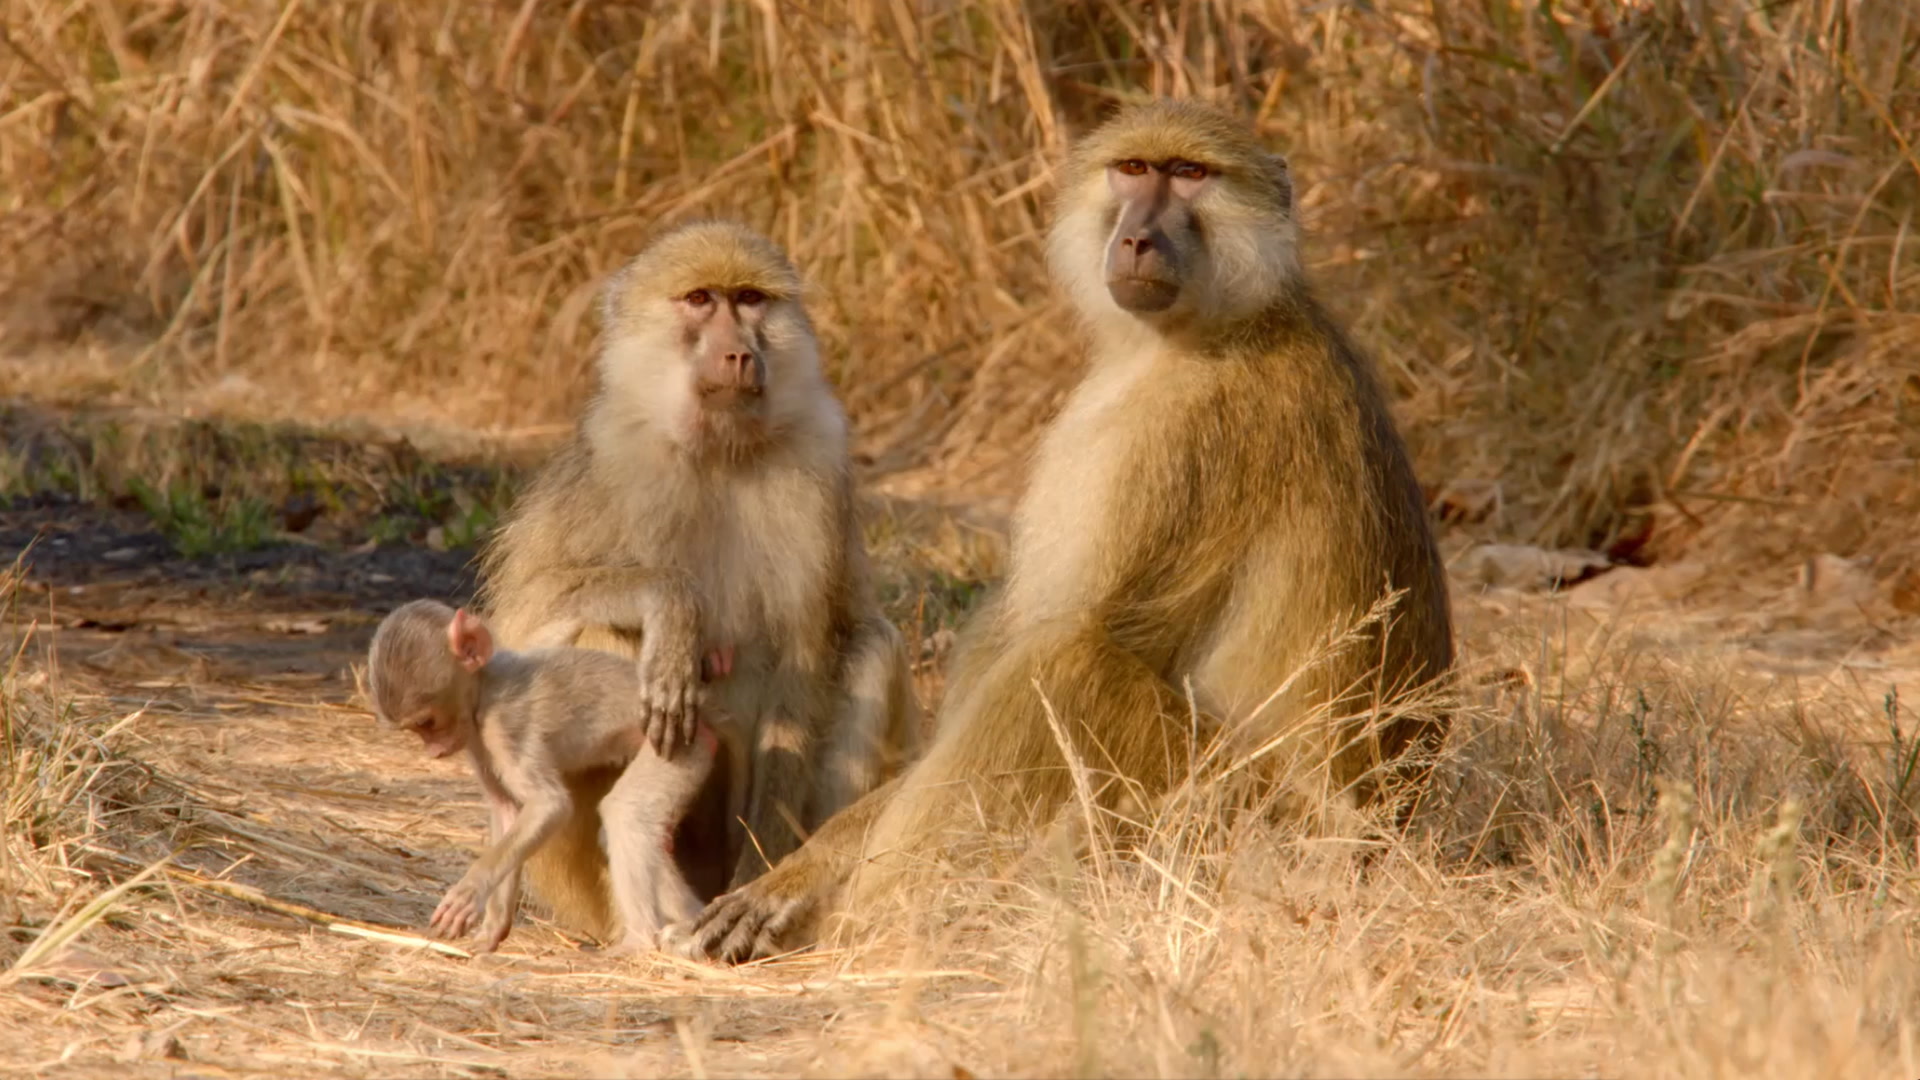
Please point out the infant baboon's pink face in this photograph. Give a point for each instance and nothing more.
(439, 727)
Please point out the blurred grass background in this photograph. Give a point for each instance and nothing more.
(1639, 273)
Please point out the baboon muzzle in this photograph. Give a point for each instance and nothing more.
(730, 368)
(1143, 274)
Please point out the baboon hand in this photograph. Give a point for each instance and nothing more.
(460, 909)
(747, 923)
(492, 933)
(676, 939)
(670, 693)
(633, 943)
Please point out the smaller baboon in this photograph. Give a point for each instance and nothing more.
(528, 721)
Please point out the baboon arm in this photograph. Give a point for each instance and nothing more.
(628, 597)
(749, 921)
(577, 597)
(531, 826)
(554, 635)
(663, 607)
(504, 902)
(464, 904)
(568, 873)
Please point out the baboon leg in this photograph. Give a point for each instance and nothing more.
(1120, 718)
(568, 873)
(648, 889)
(779, 788)
(876, 721)
(703, 842)
(752, 920)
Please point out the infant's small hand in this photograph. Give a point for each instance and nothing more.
(459, 910)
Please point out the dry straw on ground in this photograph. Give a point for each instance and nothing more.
(1639, 276)
(1643, 858)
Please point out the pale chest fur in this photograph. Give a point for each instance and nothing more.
(1062, 555)
(761, 548)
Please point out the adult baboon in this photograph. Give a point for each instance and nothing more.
(1223, 492)
(706, 504)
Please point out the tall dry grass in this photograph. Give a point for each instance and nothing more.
(1628, 265)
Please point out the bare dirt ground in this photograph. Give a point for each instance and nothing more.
(229, 680)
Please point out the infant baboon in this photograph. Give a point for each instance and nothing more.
(529, 721)
(1223, 492)
(706, 499)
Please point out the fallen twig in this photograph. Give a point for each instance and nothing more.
(339, 924)
(336, 923)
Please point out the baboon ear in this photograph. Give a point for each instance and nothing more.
(471, 641)
(1282, 179)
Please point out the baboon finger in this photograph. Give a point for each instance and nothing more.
(716, 925)
(780, 920)
(743, 940)
(451, 925)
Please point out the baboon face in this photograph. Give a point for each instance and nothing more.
(721, 330)
(1173, 215)
(422, 673)
(1155, 243)
(708, 333)
(436, 721)
(424, 691)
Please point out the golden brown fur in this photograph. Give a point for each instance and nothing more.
(1223, 492)
(747, 514)
(527, 720)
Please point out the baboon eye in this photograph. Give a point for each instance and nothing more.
(1132, 167)
(750, 297)
(698, 298)
(1189, 170)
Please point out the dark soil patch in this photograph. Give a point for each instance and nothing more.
(69, 544)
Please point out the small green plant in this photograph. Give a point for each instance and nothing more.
(955, 596)
(1646, 750)
(197, 525)
(390, 529)
(467, 527)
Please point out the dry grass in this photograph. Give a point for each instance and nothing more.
(1648, 858)
(1629, 261)
(1639, 275)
